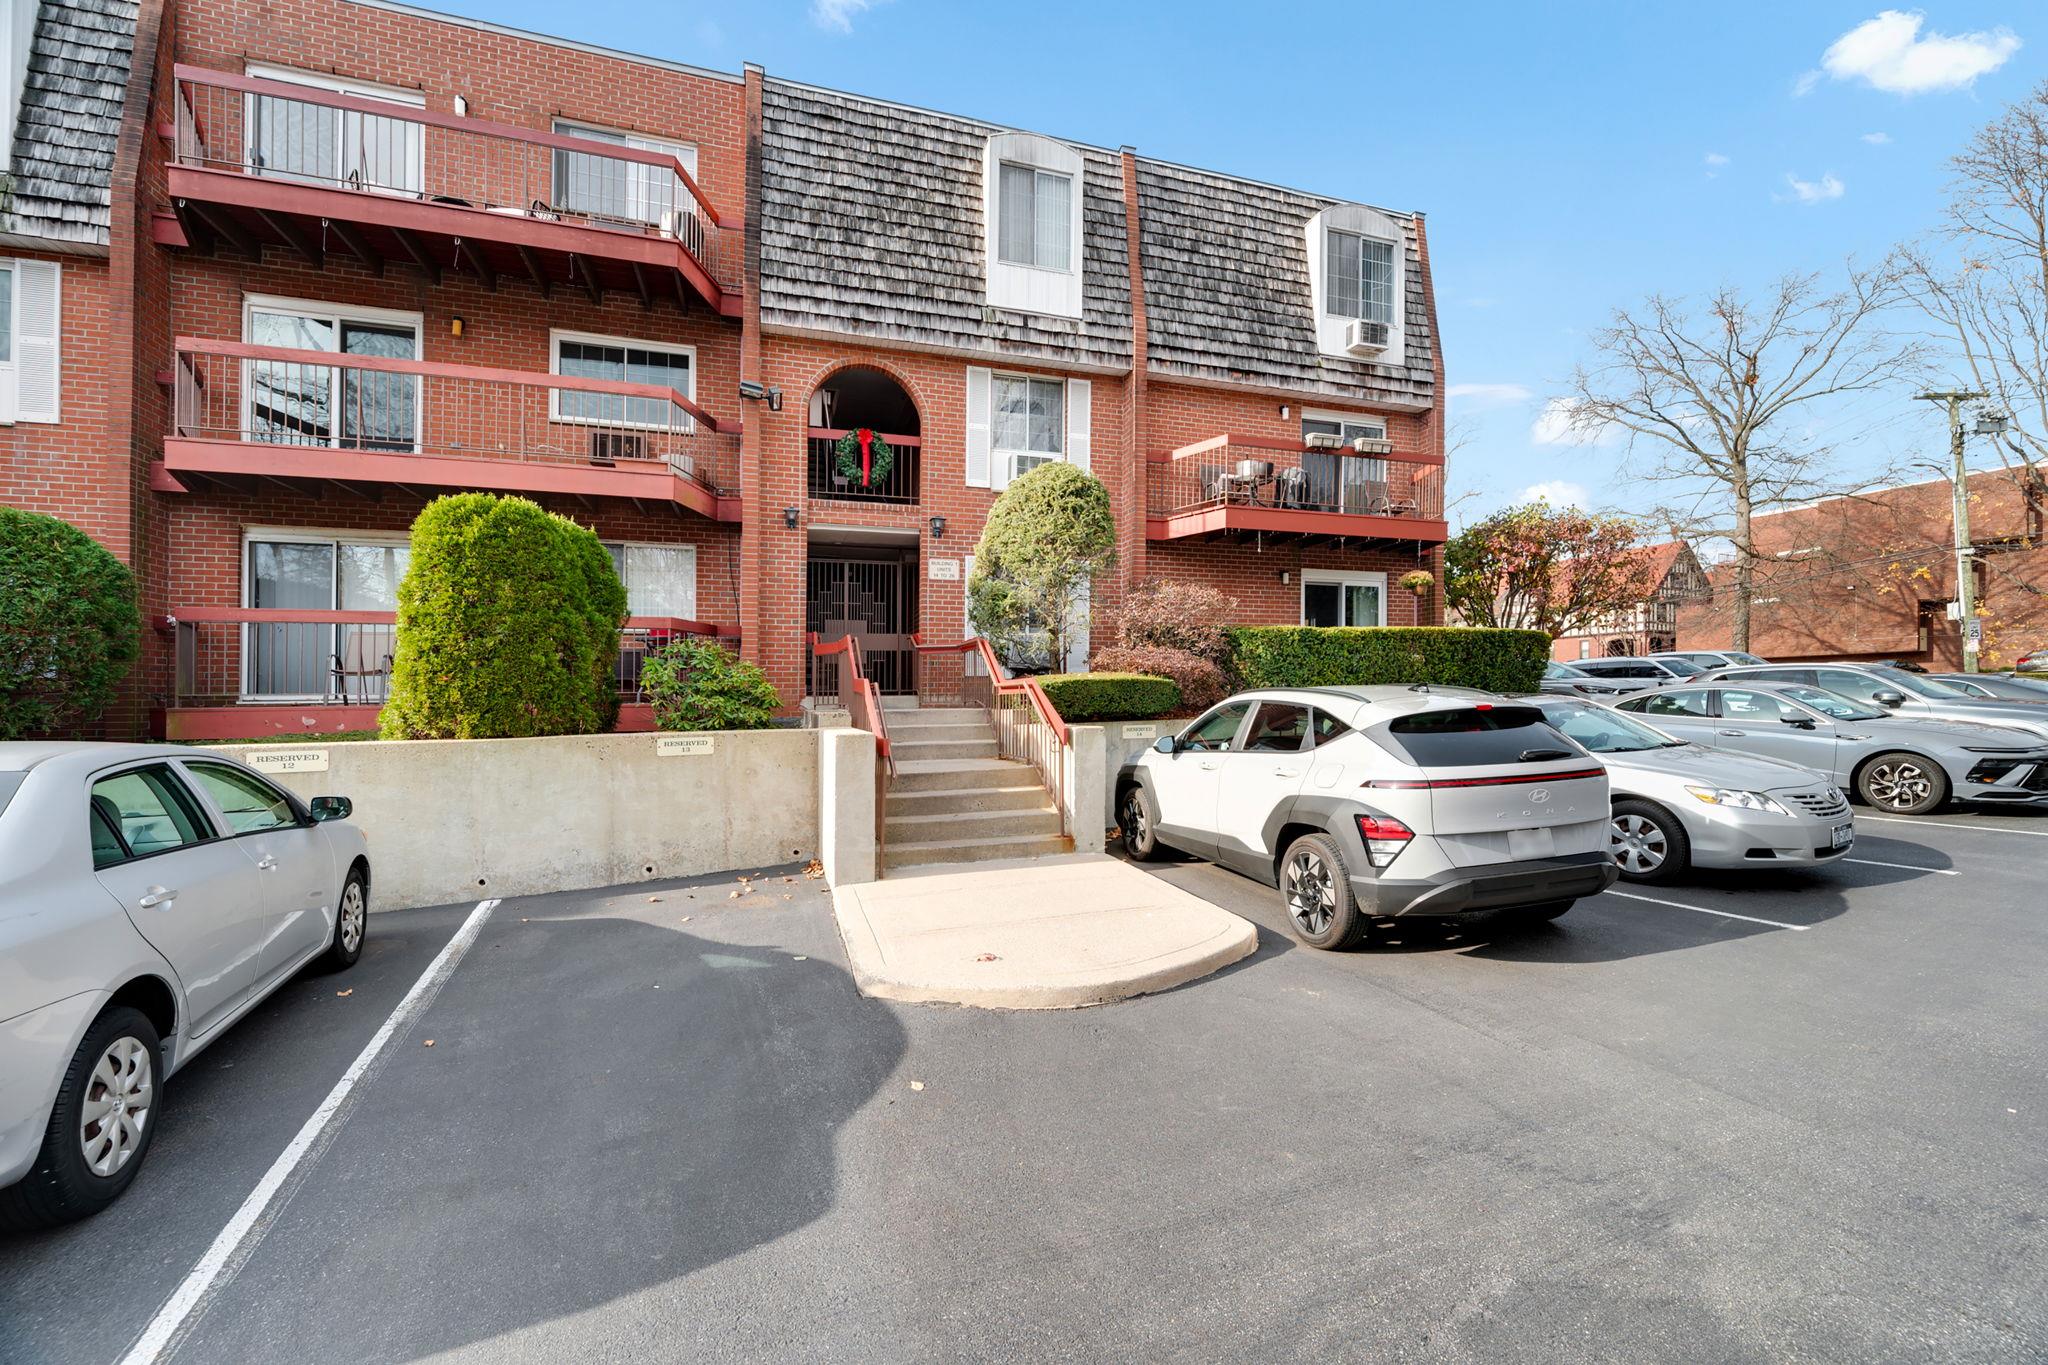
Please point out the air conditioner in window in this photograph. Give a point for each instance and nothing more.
(1372, 445)
(1365, 338)
(1322, 440)
(609, 447)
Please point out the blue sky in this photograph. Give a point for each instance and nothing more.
(1569, 156)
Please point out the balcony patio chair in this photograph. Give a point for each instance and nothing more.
(363, 656)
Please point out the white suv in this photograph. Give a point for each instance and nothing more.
(1370, 802)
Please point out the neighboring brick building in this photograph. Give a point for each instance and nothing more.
(389, 254)
(1872, 576)
(1653, 625)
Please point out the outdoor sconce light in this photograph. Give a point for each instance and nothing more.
(754, 391)
(938, 527)
(789, 517)
(455, 326)
(1283, 412)
(1286, 577)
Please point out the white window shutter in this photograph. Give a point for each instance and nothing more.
(980, 402)
(37, 325)
(1078, 422)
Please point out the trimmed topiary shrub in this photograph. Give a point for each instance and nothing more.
(1049, 534)
(69, 626)
(1110, 696)
(1202, 684)
(701, 685)
(1313, 656)
(508, 625)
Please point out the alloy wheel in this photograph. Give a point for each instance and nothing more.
(1638, 845)
(1899, 786)
(1135, 827)
(119, 1096)
(351, 917)
(1311, 895)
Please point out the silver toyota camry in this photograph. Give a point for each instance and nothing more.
(150, 895)
(1678, 804)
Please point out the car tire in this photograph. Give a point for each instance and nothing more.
(351, 923)
(1139, 824)
(1315, 890)
(1647, 842)
(85, 1163)
(1900, 783)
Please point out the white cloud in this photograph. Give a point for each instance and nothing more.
(1556, 492)
(1818, 191)
(1554, 427)
(1806, 82)
(1490, 395)
(1890, 53)
(838, 15)
(1714, 161)
(1877, 139)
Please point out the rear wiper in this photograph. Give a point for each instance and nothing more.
(1544, 755)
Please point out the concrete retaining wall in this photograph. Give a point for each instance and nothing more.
(455, 820)
(1123, 741)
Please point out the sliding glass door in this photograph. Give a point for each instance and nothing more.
(319, 661)
(310, 403)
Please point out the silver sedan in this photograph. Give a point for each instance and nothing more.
(1679, 805)
(150, 895)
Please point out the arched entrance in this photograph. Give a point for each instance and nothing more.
(861, 398)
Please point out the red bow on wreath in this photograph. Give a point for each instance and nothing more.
(864, 453)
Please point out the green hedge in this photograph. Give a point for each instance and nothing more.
(1110, 696)
(69, 626)
(1312, 656)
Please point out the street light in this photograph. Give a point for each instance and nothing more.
(1988, 424)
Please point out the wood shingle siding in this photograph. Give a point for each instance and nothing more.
(70, 122)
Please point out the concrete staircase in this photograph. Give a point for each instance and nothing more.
(953, 800)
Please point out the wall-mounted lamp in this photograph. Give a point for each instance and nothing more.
(1283, 412)
(789, 517)
(754, 391)
(1286, 577)
(455, 326)
(938, 527)
(461, 107)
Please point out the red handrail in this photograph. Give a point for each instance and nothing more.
(307, 616)
(871, 700)
(1000, 680)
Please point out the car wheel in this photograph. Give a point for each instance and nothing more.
(1647, 842)
(1902, 784)
(351, 923)
(99, 1128)
(1316, 887)
(1140, 829)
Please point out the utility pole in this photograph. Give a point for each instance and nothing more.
(1966, 579)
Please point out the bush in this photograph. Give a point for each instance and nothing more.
(508, 625)
(69, 626)
(1049, 534)
(1202, 684)
(1186, 617)
(700, 685)
(1110, 696)
(1311, 656)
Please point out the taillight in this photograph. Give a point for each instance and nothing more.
(1384, 837)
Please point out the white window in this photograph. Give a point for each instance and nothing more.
(294, 402)
(301, 140)
(30, 326)
(1357, 266)
(661, 580)
(1031, 200)
(1030, 421)
(296, 570)
(628, 191)
(1340, 597)
(579, 355)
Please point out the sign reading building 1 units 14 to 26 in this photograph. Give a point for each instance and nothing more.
(682, 746)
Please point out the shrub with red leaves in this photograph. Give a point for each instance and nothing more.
(1201, 683)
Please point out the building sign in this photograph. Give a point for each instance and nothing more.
(1141, 732)
(288, 760)
(943, 570)
(682, 746)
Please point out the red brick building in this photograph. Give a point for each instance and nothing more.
(362, 255)
(1872, 576)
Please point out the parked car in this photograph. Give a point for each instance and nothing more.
(1910, 696)
(1997, 687)
(1709, 658)
(1569, 680)
(1900, 766)
(1650, 672)
(1679, 804)
(1364, 802)
(150, 895)
(2033, 661)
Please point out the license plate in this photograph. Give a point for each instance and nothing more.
(1531, 843)
(1845, 835)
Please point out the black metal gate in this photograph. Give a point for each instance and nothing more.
(873, 599)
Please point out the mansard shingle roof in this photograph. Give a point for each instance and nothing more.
(70, 121)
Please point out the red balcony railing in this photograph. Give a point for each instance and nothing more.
(1265, 477)
(302, 135)
(267, 396)
(824, 479)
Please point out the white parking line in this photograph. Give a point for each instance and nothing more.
(1950, 824)
(1904, 867)
(1724, 914)
(191, 1294)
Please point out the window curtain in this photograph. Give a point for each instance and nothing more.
(1053, 207)
(1014, 220)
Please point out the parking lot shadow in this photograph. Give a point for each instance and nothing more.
(608, 1103)
(1638, 921)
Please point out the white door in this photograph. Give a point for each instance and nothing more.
(1263, 772)
(299, 879)
(1184, 784)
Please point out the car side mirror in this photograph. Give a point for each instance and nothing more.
(326, 808)
(1799, 722)
(1889, 698)
(1166, 744)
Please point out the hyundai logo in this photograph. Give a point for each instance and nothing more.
(1540, 795)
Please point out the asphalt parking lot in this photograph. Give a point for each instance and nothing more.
(1737, 1118)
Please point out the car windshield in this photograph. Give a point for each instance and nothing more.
(1607, 732)
(1555, 670)
(1684, 668)
(1922, 686)
(1832, 704)
(1737, 657)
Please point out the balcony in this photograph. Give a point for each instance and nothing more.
(1244, 486)
(247, 673)
(824, 479)
(243, 414)
(259, 162)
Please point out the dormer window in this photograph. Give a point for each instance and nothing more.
(1356, 267)
(1360, 272)
(1032, 195)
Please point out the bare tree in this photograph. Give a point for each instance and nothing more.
(1708, 396)
(1983, 277)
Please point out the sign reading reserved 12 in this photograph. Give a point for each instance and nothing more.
(287, 760)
